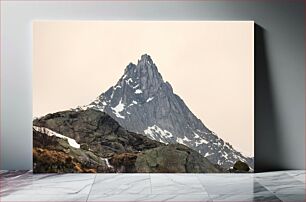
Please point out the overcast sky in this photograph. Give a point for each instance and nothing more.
(210, 65)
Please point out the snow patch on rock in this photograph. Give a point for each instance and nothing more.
(155, 131)
(107, 162)
(119, 108)
(149, 99)
(128, 81)
(180, 141)
(201, 141)
(49, 132)
(116, 87)
(138, 91)
(186, 139)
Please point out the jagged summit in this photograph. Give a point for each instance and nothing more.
(144, 62)
(146, 58)
(142, 102)
(143, 76)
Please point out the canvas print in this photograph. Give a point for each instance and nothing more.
(143, 96)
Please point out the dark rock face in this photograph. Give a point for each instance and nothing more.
(240, 166)
(99, 144)
(125, 162)
(97, 130)
(173, 158)
(143, 103)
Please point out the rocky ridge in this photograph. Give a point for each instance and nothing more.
(92, 141)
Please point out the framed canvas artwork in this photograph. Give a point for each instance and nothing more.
(143, 96)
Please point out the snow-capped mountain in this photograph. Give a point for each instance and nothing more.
(142, 102)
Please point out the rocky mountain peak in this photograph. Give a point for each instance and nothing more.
(143, 76)
(142, 102)
(145, 58)
(144, 65)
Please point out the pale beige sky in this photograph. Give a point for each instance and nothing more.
(210, 65)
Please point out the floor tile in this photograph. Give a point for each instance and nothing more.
(295, 189)
(298, 175)
(292, 197)
(282, 184)
(3, 171)
(245, 198)
(149, 198)
(287, 186)
(12, 173)
(43, 198)
(176, 184)
(229, 184)
(48, 184)
(16, 180)
(111, 184)
(274, 176)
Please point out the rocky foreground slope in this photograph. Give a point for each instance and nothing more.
(92, 141)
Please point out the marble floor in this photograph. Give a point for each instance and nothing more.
(269, 186)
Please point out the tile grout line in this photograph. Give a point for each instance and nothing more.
(91, 187)
(150, 183)
(210, 198)
(267, 188)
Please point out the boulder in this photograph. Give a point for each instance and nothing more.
(173, 158)
(240, 166)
